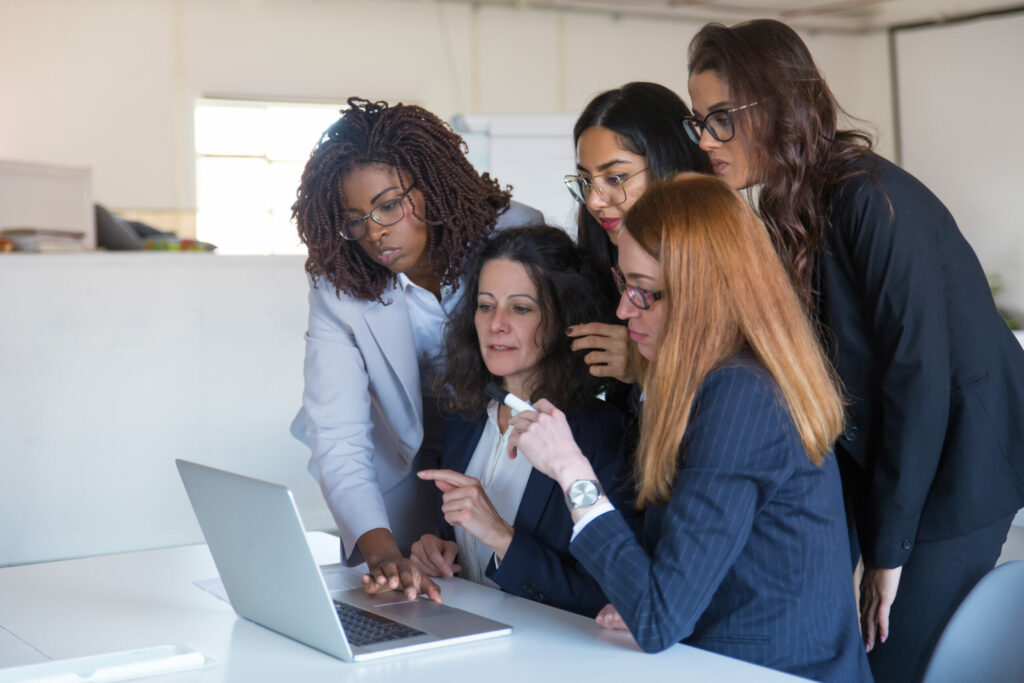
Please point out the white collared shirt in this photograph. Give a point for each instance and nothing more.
(429, 318)
(504, 481)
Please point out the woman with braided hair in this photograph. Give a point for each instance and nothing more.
(390, 209)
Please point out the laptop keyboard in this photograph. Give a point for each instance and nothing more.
(367, 628)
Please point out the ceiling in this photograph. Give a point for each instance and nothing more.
(838, 15)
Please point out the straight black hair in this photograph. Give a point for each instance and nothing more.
(648, 118)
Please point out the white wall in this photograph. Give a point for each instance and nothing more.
(113, 365)
(112, 83)
(961, 97)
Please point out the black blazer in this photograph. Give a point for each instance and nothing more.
(749, 557)
(933, 376)
(538, 565)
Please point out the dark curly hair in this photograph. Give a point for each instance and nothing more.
(568, 294)
(461, 205)
(648, 119)
(797, 151)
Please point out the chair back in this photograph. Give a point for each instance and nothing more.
(984, 641)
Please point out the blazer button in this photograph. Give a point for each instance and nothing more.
(850, 434)
(906, 545)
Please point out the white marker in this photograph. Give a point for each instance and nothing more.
(508, 398)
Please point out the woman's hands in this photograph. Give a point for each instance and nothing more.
(545, 439)
(390, 571)
(610, 619)
(465, 504)
(435, 556)
(878, 588)
(610, 356)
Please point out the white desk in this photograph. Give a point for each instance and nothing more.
(104, 604)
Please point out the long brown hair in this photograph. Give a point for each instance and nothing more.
(461, 205)
(726, 291)
(797, 150)
(568, 293)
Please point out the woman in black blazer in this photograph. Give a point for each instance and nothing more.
(504, 524)
(931, 456)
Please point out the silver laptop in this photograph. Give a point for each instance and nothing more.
(259, 545)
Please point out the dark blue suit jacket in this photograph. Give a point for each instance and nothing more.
(749, 557)
(538, 564)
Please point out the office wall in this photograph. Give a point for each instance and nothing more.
(111, 84)
(113, 365)
(960, 100)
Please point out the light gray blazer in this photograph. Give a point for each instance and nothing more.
(362, 406)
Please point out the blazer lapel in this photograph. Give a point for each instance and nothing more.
(460, 441)
(536, 496)
(392, 330)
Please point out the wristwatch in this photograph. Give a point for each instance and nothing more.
(583, 493)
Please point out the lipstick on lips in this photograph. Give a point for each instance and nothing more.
(610, 224)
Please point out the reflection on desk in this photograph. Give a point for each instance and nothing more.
(134, 600)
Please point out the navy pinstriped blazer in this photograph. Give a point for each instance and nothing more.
(749, 558)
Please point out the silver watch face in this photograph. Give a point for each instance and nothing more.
(583, 493)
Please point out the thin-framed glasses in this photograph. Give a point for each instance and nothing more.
(718, 123)
(385, 214)
(639, 297)
(611, 188)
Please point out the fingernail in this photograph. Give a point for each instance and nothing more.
(568, 330)
(883, 638)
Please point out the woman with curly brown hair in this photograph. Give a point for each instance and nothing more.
(933, 469)
(504, 521)
(390, 208)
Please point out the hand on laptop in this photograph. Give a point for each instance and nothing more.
(400, 573)
(389, 571)
(435, 556)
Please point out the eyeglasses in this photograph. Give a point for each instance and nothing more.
(718, 123)
(611, 188)
(641, 298)
(384, 214)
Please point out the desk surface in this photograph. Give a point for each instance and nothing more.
(104, 604)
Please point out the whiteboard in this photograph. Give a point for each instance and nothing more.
(960, 94)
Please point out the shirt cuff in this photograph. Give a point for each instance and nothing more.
(594, 513)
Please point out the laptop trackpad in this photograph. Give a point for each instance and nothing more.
(438, 620)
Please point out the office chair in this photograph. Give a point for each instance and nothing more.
(984, 641)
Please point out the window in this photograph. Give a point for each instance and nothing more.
(249, 160)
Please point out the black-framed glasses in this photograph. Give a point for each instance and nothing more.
(639, 297)
(385, 214)
(718, 123)
(611, 187)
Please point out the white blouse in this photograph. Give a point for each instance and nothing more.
(504, 481)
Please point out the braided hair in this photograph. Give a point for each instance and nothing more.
(461, 205)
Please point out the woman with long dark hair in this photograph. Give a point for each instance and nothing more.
(625, 138)
(932, 466)
(504, 522)
(744, 549)
(390, 209)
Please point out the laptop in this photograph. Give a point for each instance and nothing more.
(258, 543)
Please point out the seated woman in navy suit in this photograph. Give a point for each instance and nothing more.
(505, 524)
(744, 548)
